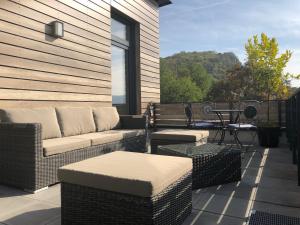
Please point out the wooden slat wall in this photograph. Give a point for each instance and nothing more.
(39, 70)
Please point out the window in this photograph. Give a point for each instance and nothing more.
(123, 65)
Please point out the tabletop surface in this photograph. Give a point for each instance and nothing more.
(193, 149)
(227, 110)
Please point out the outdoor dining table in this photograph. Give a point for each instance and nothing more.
(234, 117)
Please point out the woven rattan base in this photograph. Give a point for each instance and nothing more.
(212, 164)
(263, 218)
(85, 205)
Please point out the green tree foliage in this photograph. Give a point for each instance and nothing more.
(184, 76)
(234, 87)
(198, 76)
(267, 67)
(181, 89)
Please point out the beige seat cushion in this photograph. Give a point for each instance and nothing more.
(101, 138)
(106, 118)
(180, 135)
(126, 172)
(75, 120)
(45, 116)
(65, 144)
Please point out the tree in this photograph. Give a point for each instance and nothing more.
(267, 67)
(183, 89)
(235, 86)
(183, 81)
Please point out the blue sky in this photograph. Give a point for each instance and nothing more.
(226, 25)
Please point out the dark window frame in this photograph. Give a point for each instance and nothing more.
(131, 57)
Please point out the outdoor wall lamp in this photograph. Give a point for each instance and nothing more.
(57, 29)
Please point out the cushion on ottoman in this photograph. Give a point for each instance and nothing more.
(180, 134)
(75, 120)
(129, 173)
(106, 118)
(45, 116)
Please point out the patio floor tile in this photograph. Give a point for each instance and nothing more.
(206, 218)
(279, 184)
(286, 198)
(276, 209)
(237, 190)
(225, 205)
(288, 173)
(52, 195)
(26, 211)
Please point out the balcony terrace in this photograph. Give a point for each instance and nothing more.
(268, 184)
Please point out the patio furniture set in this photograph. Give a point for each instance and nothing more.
(41, 147)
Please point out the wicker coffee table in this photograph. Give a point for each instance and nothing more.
(212, 164)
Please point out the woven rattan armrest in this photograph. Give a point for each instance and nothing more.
(21, 140)
(133, 121)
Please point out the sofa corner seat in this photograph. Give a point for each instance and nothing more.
(29, 161)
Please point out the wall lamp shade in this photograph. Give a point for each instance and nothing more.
(57, 29)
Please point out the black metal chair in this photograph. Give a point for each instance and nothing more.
(191, 123)
(250, 113)
(200, 124)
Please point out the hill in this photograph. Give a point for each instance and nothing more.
(216, 64)
(189, 76)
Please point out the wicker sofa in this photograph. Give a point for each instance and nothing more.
(34, 143)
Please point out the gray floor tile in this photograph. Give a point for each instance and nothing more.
(249, 161)
(206, 218)
(276, 209)
(26, 211)
(239, 190)
(250, 180)
(280, 173)
(6, 191)
(286, 198)
(275, 165)
(54, 221)
(51, 195)
(279, 184)
(221, 204)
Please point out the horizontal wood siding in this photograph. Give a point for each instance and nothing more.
(39, 70)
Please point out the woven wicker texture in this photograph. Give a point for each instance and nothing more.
(85, 205)
(263, 218)
(23, 165)
(212, 164)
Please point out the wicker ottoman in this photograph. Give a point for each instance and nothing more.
(212, 164)
(127, 188)
(177, 136)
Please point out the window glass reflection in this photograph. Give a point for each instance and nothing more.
(118, 75)
(119, 29)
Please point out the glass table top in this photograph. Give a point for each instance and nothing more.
(192, 149)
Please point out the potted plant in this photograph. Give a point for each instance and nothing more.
(269, 81)
(268, 130)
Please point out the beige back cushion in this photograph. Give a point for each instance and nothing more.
(106, 118)
(75, 120)
(45, 116)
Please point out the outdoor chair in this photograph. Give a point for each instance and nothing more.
(201, 124)
(250, 113)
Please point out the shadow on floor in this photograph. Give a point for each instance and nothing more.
(38, 217)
